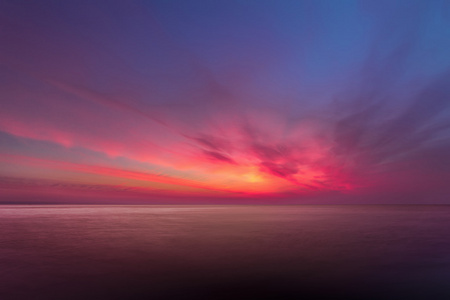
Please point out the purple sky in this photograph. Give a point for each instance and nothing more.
(225, 101)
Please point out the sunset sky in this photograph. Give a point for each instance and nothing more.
(225, 101)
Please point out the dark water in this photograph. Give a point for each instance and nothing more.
(224, 252)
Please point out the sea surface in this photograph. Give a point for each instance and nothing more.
(224, 252)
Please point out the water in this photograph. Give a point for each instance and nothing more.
(224, 252)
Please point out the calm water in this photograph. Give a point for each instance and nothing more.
(224, 252)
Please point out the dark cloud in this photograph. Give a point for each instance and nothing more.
(280, 170)
(219, 156)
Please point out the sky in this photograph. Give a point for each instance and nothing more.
(272, 102)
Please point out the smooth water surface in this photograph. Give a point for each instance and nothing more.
(224, 252)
